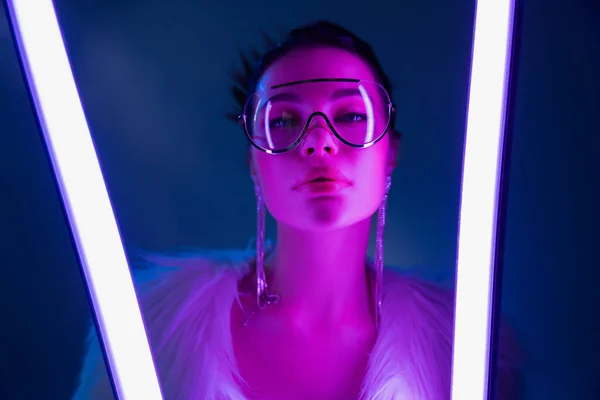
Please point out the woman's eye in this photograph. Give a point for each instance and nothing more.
(351, 118)
(282, 123)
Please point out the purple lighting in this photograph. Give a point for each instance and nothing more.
(97, 238)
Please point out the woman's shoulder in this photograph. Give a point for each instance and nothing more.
(173, 287)
(423, 300)
(181, 294)
(156, 267)
(413, 354)
(186, 300)
(424, 288)
(419, 297)
(187, 270)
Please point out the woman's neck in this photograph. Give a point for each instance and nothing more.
(322, 277)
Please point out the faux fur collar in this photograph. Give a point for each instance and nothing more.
(186, 302)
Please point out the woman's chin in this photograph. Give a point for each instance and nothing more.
(324, 219)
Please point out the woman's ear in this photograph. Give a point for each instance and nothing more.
(393, 152)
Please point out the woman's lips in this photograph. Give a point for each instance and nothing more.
(322, 179)
(328, 187)
(323, 186)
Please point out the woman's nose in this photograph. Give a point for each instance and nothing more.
(319, 139)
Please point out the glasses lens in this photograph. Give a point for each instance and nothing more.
(359, 112)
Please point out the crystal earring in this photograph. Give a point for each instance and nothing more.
(379, 251)
(263, 297)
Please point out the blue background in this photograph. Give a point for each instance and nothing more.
(153, 78)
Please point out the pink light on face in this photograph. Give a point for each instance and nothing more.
(85, 198)
(480, 197)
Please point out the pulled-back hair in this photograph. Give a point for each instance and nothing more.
(320, 33)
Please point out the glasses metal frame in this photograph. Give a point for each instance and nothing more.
(242, 118)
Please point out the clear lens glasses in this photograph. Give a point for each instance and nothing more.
(359, 113)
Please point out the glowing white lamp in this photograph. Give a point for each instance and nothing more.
(482, 168)
(85, 198)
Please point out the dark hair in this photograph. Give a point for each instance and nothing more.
(320, 33)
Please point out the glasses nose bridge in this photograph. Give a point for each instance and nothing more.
(326, 123)
(319, 136)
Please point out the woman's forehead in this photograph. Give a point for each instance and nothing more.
(311, 90)
(315, 63)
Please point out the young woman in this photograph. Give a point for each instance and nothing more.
(312, 317)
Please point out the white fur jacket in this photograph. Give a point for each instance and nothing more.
(186, 302)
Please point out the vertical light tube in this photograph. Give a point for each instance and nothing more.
(65, 130)
(482, 168)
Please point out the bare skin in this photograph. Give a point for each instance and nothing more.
(279, 359)
(315, 343)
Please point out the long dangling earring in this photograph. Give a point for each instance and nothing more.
(379, 251)
(263, 297)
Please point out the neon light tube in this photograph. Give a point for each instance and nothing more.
(482, 168)
(85, 198)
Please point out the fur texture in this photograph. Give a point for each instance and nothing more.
(186, 302)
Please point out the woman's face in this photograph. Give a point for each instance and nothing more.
(352, 180)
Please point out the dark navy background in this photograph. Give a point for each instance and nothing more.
(153, 78)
